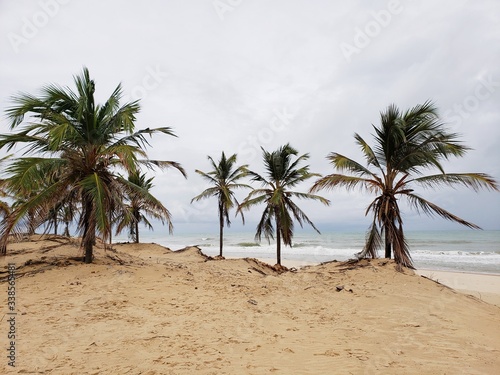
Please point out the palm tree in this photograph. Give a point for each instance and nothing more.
(141, 204)
(4, 206)
(223, 177)
(406, 144)
(74, 147)
(283, 174)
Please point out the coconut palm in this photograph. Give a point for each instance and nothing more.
(283, 172)
(4, 208)
(140, 204)
(406, 145)
(224, 178)
(4, 205)
(75, 147)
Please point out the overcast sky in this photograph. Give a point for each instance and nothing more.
(235, 75)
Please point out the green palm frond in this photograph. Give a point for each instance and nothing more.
(283, 171)
(475, 181)
(345, 164)
(407, 145)
(422, 205)
(207, 193)
(82, 143)
(333, 181)
(224, 178)
(265, 226)
(371, 158)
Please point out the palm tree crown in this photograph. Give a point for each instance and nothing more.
(140, 204)
(224, 178)
(74, 147)
(406, 144)
(283, 172)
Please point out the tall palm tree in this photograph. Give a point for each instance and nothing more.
(224, 178)
(140, 204)
(283, 172)
(75, 147)
(406, 145)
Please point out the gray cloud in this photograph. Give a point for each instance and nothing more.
(222, 81)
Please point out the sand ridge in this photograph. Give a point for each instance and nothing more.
(145, 309)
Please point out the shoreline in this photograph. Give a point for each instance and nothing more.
(486, 287)
(457, 271)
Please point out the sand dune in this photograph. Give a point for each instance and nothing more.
(144, 309)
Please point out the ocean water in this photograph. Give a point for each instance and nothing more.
(460, 250)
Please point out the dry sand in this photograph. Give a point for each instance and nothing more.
(143, 309)
(483, 286)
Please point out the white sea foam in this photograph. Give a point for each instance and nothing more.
(472, 251)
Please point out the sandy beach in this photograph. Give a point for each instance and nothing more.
(144, 309)
(483, 286)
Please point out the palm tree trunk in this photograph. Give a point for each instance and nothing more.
(388, 244)
(221, 229)
(88, 251)
(136, 231)
(88, 236)
(31, 223)
(278, 243)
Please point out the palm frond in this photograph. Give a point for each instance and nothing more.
(371, 158)
(422, 205)
(373, 242)
(332, 181)
(475, 181)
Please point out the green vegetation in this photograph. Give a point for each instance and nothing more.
(73, 151)
(73, 148)
(138, 205)
(283, 172)
(223, 177)
(406, 145)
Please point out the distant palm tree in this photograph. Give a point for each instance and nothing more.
(406, 144)
(76, 147)
(223, 177)
(140, 204)
(4, 206)
(4, 209)
(283, 174)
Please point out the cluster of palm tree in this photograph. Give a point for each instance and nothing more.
(75, 148)
(73, 151)
(406, 145)
(283, 173)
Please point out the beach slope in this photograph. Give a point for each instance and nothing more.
(144, 309)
